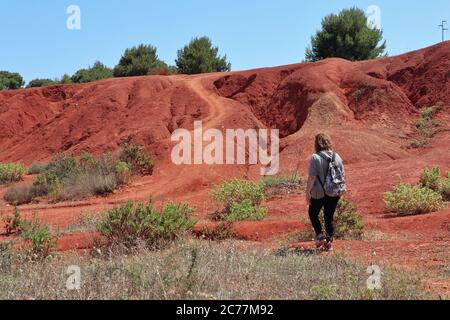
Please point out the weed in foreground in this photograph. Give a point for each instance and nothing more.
(193, 269)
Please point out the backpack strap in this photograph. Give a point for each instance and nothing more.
(329, 160)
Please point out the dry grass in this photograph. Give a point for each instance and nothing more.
(194, 269)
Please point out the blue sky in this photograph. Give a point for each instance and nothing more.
(253, 33)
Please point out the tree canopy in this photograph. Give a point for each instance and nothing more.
(65, 79)
(10, 80)
(199, 56)
(347, 35)
(40, 83)
(138, 61)
(97, 72)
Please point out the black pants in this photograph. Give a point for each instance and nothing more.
(329, 204)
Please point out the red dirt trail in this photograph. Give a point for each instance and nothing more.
(368, 108)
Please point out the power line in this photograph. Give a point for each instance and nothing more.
(442, 26)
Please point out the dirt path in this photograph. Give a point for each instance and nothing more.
(218, 109)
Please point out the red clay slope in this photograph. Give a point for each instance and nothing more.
(377, 98)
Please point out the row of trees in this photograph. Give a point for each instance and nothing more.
(199, 56)
(346, 35)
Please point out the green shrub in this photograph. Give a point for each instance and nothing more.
(425, 126)
(37, 168)
(428, 113)
(123, 172)
(245, 210)
(240, 200)
(43, 184)
(407, 199)
(444, 187)
(418, 143)
(105, 165)
(65, 178)
(87, 160)
(139, 162)
(62, 167)
(11, 172)
(40, 237)
(130, 224)
(41, 240)
(14, 224)
(92, 177)
(84, 185)
(238, 190)
(348, 222)
(430, 178)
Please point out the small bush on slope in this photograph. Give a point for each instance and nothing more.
(240, 200)
(14, 224)
(281, 185)
(348, 222)
(41, 239)
(19, 195)
(65, 178)
(37, 168)
(130, 224)
(11, 172)
(39, 235)
(431, 178)
(425, 126)
(139, 162)
(245, 210)
(444, 187)
(407, 199)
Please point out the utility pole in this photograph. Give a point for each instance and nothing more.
(442, 26)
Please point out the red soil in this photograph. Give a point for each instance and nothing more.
(367, 107)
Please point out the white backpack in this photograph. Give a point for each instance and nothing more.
(334, 185)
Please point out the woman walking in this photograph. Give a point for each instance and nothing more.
(326, 184)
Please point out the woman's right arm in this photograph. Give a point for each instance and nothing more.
(309, 186)
(312, 176)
